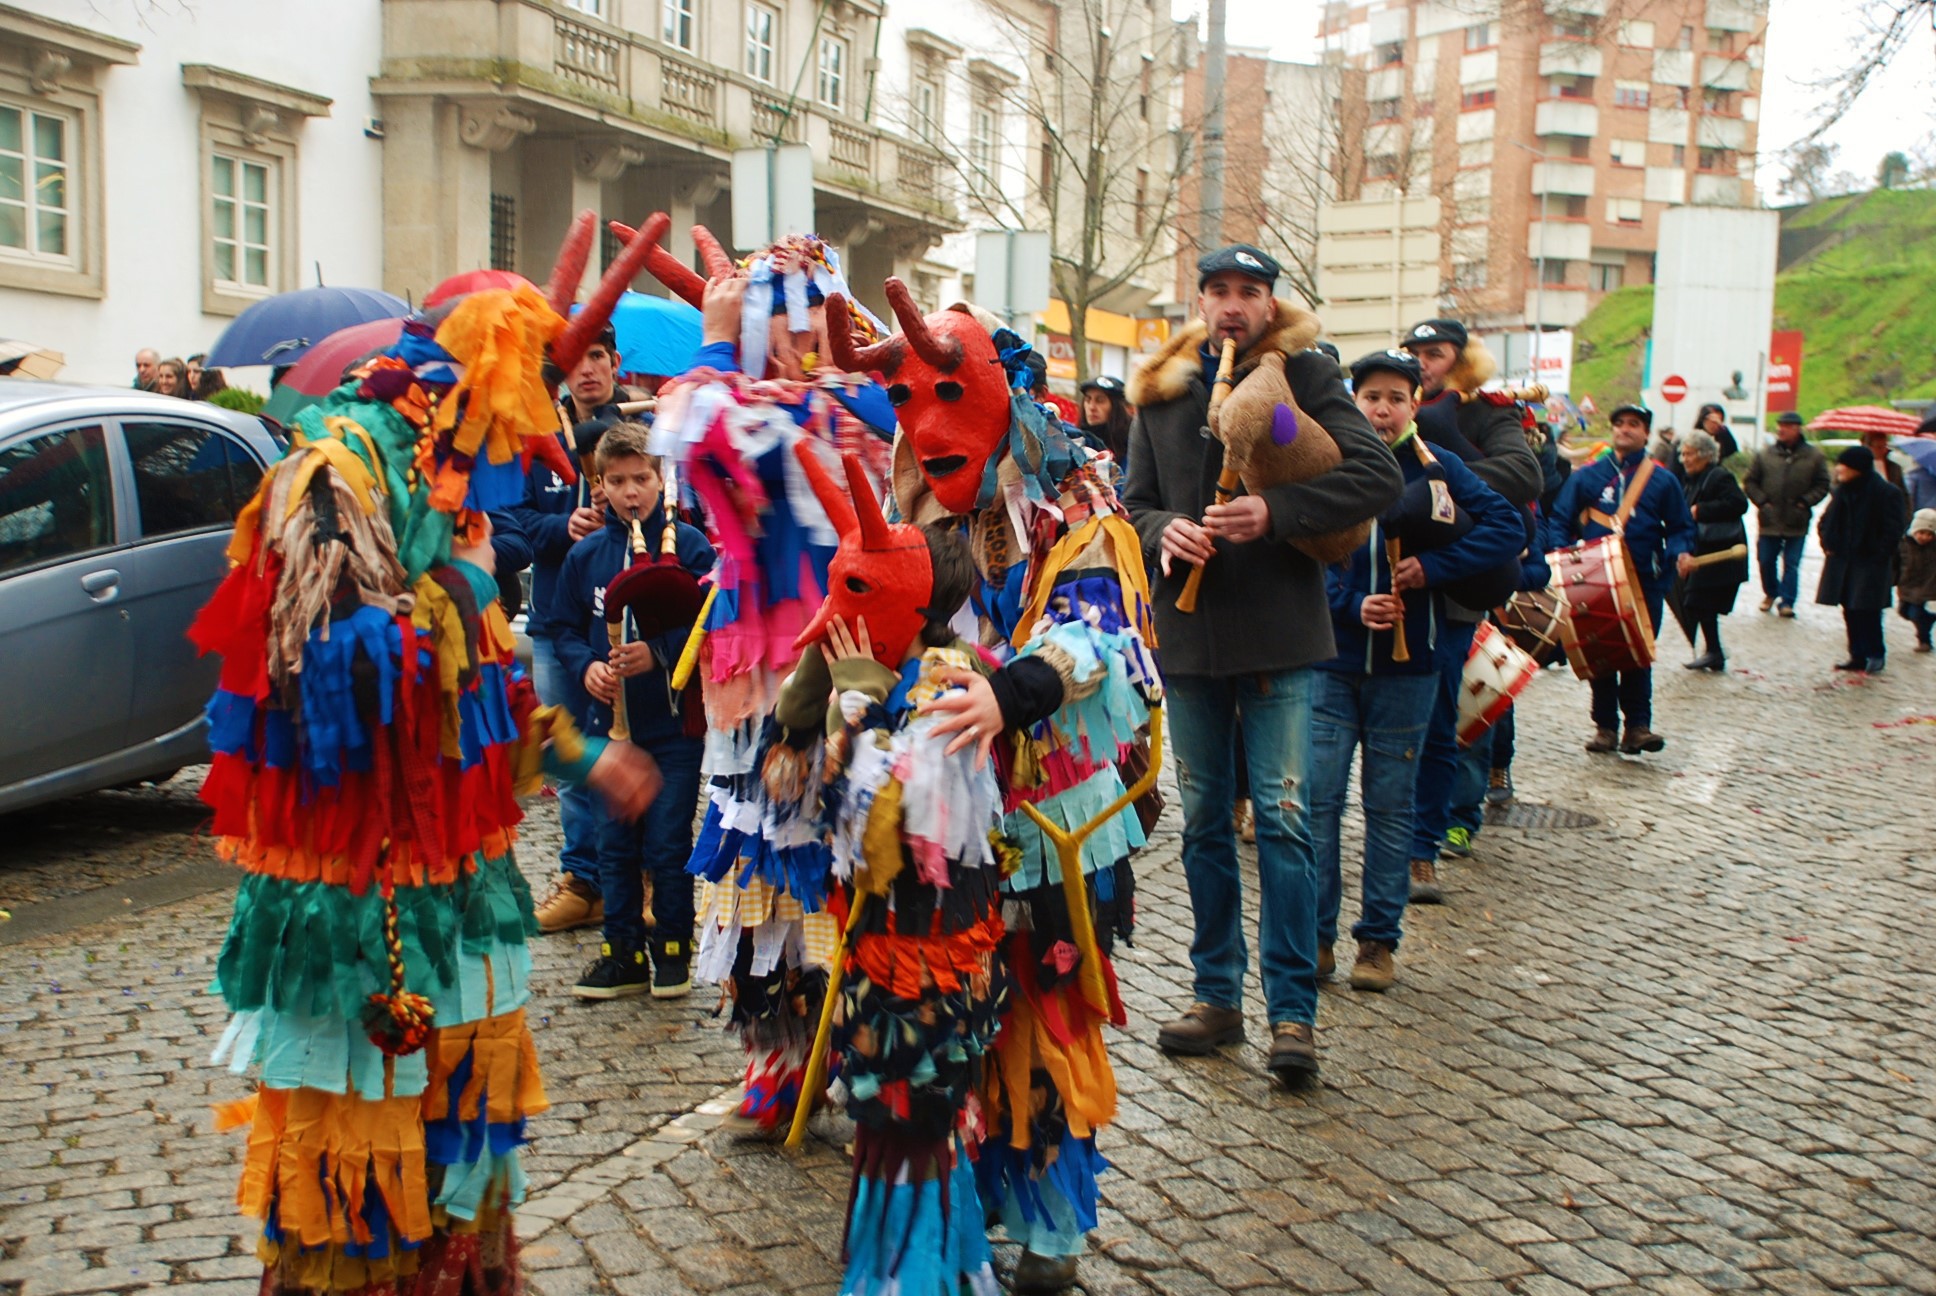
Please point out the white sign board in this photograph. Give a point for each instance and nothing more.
(1012, 272)
(1545, 358)
(1714, 302)
(772, 194)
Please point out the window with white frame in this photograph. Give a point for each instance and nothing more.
(1630, 94)
(830, 84)
(762, 27)
(984, 126)
(676, 23)
(1627, 152)
(36, 184)
(1637, 32)
(596, 8)
(927, 110)
(242, 215)
(1625, 211)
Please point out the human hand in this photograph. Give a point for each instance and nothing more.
(1186, 541)
(1408, 575)
(1381, 611)
(601, 683)
(627, 778)
(1243, 519)
(629, 659)
(970, 712)
(845, 645)
(584, 521)
(1684, 564)
(720, 313)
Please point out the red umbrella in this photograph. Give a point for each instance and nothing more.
(1864, 419)
(472, 281)
(320, 372)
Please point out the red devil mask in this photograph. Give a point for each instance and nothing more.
(946, 380)
(881, 571)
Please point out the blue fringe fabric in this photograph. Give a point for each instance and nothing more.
(914, 1224)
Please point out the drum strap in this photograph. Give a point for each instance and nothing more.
(1628, 501)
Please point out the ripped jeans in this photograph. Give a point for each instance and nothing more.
(1274, 712)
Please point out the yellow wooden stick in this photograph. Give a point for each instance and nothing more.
(689, 655)
(816, 1078)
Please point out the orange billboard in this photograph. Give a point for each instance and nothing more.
(1784, 370)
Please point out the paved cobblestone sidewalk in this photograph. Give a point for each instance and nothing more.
(1688, 1049)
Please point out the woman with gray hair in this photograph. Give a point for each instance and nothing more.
(1716, 501)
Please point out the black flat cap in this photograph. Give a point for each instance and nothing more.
(1242, 258)
(1402, 363)
(1790, 417)
(1436, 330)
(1640, 412)
(1103, 383)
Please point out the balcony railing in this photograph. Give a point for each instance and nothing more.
(851, 149)
(772, 121)
(588, 56)
(689, 91)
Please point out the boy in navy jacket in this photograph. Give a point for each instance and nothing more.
(1366, 696)
(660, 841)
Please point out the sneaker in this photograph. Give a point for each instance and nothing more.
(1038, 1275)
(1873, 666)
(1294, 1053)
(671, 969)
(1425, 883)
(1327, 962)
(618, 974)
(1786, 611)
(570, 904)
(1204, 1029)
(1767, 602)
(1641, 739)
(1244, 819)
(1374, 969)
(1458, 841)
(1707, 661)
(1499, 788)
(1603, 740)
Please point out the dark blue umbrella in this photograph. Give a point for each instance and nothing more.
(1922, 449)
(655, 335)
(281, 329)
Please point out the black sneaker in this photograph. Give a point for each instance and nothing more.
(671, 969)
(618, 974)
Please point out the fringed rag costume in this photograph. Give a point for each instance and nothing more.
(370, 731)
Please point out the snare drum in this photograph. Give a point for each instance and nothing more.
(1497, 670)
(1536, 621)
(1607, 628)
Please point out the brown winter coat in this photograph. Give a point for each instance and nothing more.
(1916, 571)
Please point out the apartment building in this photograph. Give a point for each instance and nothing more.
(1555, 132)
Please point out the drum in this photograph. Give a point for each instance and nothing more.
(1536, 621)
(1607, 628)
(1497, 670)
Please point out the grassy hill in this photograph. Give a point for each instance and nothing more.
(1861, 286)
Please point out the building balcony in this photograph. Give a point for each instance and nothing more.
(1731, 15)
(1564, 179)
(1674, 67)
(1723, 72)
(1711, 132)
(1559, 240)
(1566, 117)
(1560, 306)
(1570, 58)
(1716, 189)
(532, 67)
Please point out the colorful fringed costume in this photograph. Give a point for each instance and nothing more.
(370, 731)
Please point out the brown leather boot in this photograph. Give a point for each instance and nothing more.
(1327, 962)
(1425, 883)
(1038, 1275)
(1641, 739)
(1294, 1053)
(1603, 740)
(1204, 1029)
(1374, 969)
(570, 904)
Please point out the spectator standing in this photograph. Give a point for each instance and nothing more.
(1105, 417)
(1916, 575)
(1658, 531)
(171, 379)
(1715, 502)
(145, 361)
(1877, 444)
(1859, 531)
(1244, 657)
(1785, 481)
(1713, 420)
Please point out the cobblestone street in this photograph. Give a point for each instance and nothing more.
(1686, 1048)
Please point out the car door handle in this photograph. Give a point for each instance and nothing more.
(101, 585)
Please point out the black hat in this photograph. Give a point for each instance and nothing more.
(1402, 363)
(1103, 383)
(1790, 417)
(1436, 330)
(1641, 412)
(1858, 458)
(1328, 348)
(1241, 257)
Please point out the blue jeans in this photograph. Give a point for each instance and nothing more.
(1783, 553)
(1503, 734)
(1439, 765)
(1918, 615)
(1274, 713)
(1387, 715)
(581, 813)
(1469, 779)
(659, 842)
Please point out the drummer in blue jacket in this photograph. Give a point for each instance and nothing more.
(1658, 532)
(1364, 696)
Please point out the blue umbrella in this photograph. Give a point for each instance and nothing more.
(1919, 448)
(281, 329)
(655, 335)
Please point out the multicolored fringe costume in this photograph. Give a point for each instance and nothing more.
(370, 732)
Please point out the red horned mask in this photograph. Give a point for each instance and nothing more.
(947, 383)
(881, 571)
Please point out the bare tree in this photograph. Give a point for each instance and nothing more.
(1883, 29)
(1106, 160)
(1809, 166)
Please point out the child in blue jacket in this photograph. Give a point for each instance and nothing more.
(660, 840)
(1365, 696)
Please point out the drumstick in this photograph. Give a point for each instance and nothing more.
(1401, 651)
(1720, 556)
(1227, 479)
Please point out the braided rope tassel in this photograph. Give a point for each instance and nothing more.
(397, 1022)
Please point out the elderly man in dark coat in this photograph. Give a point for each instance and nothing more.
(1859, 530)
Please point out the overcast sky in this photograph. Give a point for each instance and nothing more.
(1808, 40)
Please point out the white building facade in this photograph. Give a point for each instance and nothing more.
(163, 167)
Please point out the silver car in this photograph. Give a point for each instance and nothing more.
(116, 508)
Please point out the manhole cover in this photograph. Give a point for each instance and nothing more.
(1537, 817)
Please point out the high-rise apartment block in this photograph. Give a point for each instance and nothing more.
(1555, 132)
